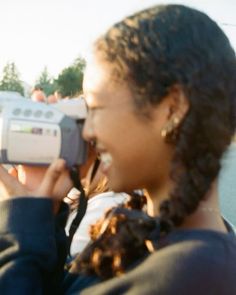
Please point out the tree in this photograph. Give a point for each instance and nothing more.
(69, 82)
(11, 79)
(80, 63)
(46, 82)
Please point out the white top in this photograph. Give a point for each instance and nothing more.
(96, 207)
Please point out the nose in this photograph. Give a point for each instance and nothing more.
(88, 130)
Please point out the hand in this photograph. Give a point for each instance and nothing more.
(55, 184)
(30, 176)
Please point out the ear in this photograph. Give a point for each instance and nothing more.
(177, 104)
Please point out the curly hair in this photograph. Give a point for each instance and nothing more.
(170, 45)
(120, 239)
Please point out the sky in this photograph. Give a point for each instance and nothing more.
(52, 33)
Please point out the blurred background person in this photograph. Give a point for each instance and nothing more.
(52, 99)
(38, 94)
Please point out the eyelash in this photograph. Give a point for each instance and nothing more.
(93, 109)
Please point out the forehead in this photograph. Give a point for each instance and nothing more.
(99, 82)
(96, 73)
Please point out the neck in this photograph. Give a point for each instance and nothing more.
(154, 199)
(206, 216)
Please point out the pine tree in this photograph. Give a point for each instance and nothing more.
(46, 82)
(69, 81)
(11, 79)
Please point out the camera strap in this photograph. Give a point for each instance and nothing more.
(83, 200)
(74, 174)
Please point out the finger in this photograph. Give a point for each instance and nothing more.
(9, 185)
(13, 172)
(62, 186)
(31, 176)
(51, 176)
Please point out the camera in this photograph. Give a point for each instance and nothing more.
(35, 133)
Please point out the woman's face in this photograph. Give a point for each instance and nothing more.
(133, 153)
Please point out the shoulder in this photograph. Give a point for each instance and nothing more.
(198, 249)
(194, 264)
(195, 261)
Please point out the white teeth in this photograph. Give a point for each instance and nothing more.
(106, 159)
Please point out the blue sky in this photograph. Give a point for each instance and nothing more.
(52, 33)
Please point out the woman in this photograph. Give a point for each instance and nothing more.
(160, 92)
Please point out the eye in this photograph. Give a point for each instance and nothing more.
(94, 109)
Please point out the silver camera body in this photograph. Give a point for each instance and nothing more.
(35, 133)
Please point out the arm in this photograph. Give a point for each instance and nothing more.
(27, 245)
(28, 250)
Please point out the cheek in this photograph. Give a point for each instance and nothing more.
(109, 127)
(134, 149)
(141, 148)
